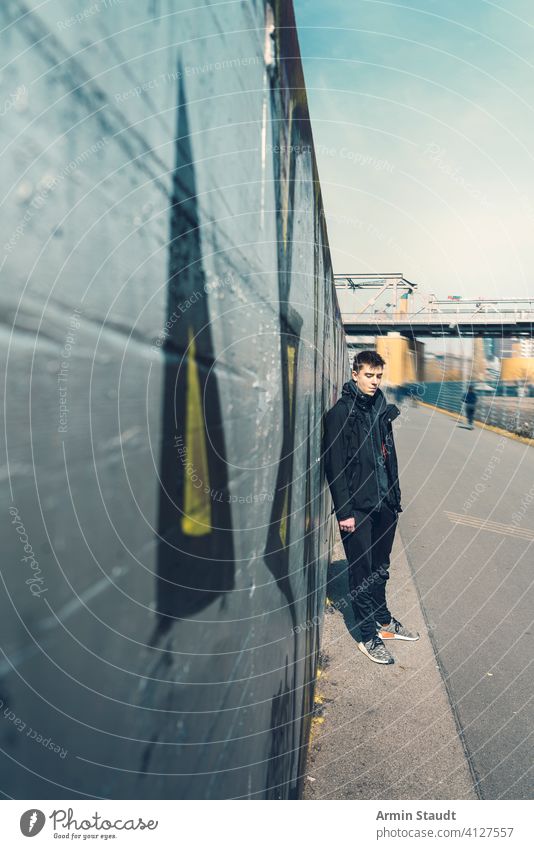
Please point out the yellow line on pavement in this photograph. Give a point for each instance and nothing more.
(493, 530)
(479, 520)
(495, 527)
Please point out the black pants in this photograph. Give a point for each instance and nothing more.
(367, 550)
(469, 412)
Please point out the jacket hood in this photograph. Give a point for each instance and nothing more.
(351, 393)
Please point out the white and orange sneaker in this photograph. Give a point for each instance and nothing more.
(395, 631)
(376, 651)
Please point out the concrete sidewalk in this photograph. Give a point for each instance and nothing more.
(386, 732)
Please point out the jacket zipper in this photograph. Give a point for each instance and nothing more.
(371, 439)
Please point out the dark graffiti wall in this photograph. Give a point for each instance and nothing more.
(171, 339)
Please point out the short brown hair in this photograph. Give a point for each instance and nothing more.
(368, 358)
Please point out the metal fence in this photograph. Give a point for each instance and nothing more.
(514, 414)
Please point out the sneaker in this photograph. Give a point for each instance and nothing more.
(396, 631)
(376, 651)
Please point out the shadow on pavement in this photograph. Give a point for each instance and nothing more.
(337, 590)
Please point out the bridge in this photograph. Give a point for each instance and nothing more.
(397, 305)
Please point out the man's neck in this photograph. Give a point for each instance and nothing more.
(362, 398)
(359, 391)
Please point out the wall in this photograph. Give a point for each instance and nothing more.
(171, 340)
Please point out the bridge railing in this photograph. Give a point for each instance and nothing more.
(437, 317)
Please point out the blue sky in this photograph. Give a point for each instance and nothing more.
(423, 120)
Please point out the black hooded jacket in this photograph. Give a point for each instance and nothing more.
(360, 457)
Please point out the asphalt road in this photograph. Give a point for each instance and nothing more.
(468, 532)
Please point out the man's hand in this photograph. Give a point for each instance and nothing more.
(348, 524)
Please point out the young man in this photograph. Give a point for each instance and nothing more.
(361, 468)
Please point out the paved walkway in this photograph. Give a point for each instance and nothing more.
(386, 732)
(468, 534)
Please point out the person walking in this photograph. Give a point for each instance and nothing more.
(470, 402)
(362, 473)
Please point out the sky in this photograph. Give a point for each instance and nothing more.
(423, 122)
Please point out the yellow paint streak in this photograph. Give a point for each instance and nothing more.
(196, 520)
(315, 723)
(283, 520)
(291, 351)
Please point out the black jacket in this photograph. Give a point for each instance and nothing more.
(351, 461)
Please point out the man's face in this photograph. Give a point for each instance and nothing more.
(368, 378)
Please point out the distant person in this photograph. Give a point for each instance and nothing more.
(361, 468)
(470, 402)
